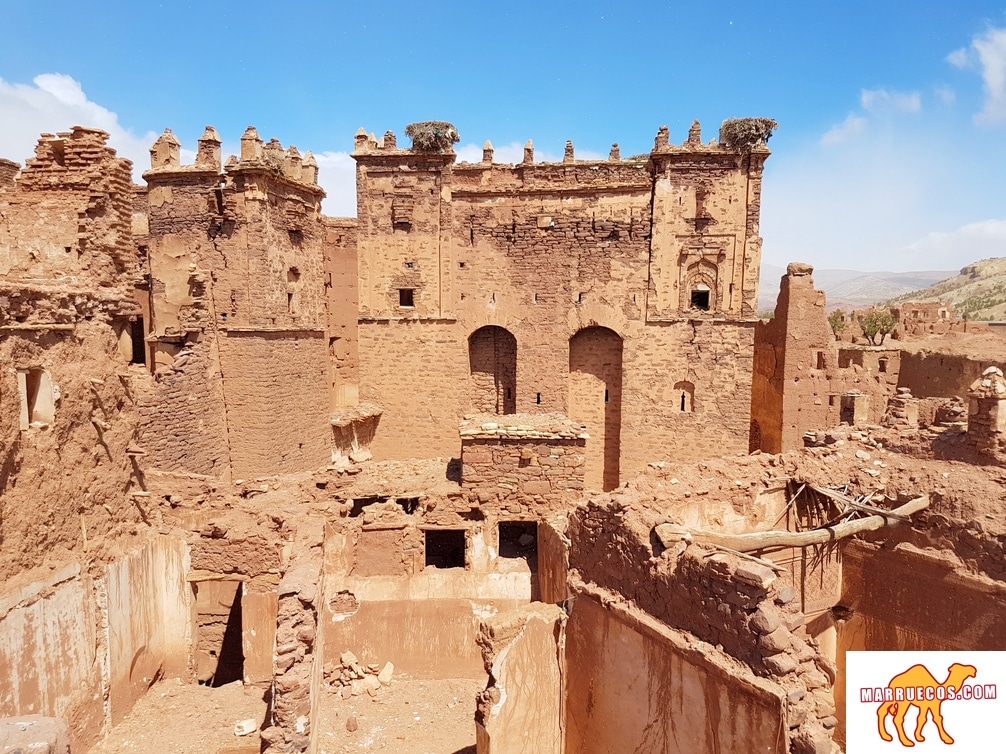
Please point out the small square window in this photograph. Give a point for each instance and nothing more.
(445, 548)
(700, 300)
(519, 539)
(406, 297)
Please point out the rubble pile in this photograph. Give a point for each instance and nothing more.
(352, 678)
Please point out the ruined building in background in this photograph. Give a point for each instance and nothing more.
(619, 292)
(240, 440)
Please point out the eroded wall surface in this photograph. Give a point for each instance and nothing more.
(522, 709)
(251, 310)
(636, 685)
(84, 649)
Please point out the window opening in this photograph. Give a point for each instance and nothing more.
(406, 297)
(445, 548)
(519, 539)
(700, 300)
(359, 503)
(538, 399)
(686, 395)
(606, 395)
(882, 365)
(820, 359)
(137, 333)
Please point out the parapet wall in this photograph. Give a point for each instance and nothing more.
(521, 456)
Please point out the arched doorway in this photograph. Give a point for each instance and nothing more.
(595, 400)
(492, 357)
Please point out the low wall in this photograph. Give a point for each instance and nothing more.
(71, 641)
(148, 621)
(633, 684)
(425, 624)
(937, 375)
(522, 457)
(50, 659)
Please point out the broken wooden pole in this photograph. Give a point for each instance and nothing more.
(761, 540)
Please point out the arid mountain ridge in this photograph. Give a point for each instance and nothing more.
(855, 289)
(978, 290)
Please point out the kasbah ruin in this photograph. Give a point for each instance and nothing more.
(505, 464)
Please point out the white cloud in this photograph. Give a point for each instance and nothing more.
(959, 58)
(849, 128)
(883, 100)
(968, 243)
(54, 102)
(337, 175)
(991, 50)
(945, 94)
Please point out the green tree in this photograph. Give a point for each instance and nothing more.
(838, 324)
(876, 322)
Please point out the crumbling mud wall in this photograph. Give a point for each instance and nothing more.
(634, 684)
(734, 605)
(297, 661)
(661, 252)
(800, 374)
(240, 299)
(85, 647)
(930, 374)
(67, 399)
(522, 708)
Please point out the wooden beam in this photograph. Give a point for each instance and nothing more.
(761, 540)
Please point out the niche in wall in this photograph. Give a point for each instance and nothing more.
(38, 397)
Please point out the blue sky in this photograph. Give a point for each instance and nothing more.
(890, 153)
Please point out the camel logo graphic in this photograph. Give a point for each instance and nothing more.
(917, 687)
(949, 711)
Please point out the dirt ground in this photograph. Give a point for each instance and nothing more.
(407, 717)
(179, 718)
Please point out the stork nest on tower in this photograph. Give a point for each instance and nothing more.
(744, 134)
(432, 136)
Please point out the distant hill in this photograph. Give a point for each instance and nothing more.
(978, 291)
(852, 289)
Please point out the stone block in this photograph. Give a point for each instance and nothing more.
(755, 574)
(34, 734)
(780, 664)
(535, 487)
(765, 620)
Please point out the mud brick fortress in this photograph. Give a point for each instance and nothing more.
(513, 426)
